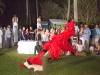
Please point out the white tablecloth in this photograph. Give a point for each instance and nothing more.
(26, 47)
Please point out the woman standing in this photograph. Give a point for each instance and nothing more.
(8, 37)
(27, 34)
(23, 34)
(1, 37)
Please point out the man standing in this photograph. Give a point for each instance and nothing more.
(15, 28)
(38, 48)
(95, 35)
(31, 34)
(87, 33)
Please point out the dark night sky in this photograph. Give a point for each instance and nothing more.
(17, 7)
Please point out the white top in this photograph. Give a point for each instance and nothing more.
(76, 29)
(91, 48)
(80, 47)
(38, 23)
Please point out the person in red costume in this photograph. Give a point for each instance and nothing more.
(55, 46)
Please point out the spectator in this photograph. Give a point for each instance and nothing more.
(47, 33)
(8, 37)
(92, 48)
(76, 29)
(74, 40)
(3, 36)
(31, 34)
(52, 33)
(58, 29)
(38, 48)
(81, 33)
(86, 35)
(79, 48)
(96, 32)
(19, 33)
(23, 34)
(1, 33)
(63, 29)
(27, 34)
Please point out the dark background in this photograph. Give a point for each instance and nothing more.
(18, 7)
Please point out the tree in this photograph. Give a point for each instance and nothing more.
(75, 11)
(1, 6)
(87, 11)
(68, 10)
(49, 10)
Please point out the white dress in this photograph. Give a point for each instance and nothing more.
(80, 47)
(15, 31)
(1, 33)
(38, 23)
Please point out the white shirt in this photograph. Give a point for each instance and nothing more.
(91, 48)
(80, 47)
(76, 29)
(38, 23)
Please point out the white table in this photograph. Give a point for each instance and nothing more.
(26, 47)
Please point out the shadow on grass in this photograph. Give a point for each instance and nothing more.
(2, 54)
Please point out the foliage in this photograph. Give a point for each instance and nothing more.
(49, 10)
(87, 11)
(70, 65)
(1, 6)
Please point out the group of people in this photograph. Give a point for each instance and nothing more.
(9, 34)
(84, 40)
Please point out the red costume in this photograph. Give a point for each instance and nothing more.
(58, 44)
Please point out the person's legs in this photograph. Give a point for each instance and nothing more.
(7, 43)
(31, 37)
(86, 45)
(0, 45)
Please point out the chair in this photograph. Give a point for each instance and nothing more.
(39, 69)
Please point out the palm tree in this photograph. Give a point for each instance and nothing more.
(75, 11)
(68, 10)
(1, 5)
(49, 10)
(37, 8)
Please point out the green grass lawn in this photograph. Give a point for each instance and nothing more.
(70, 65)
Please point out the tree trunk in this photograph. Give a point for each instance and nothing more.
(37, 8)
(26, 11)
(75, 11)
(68, 10)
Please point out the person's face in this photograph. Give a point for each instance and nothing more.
(47, 30)
(80, 42)
(40, 17)
(8, 28)
(23, 28)
(27, 29)
(97, 26)
(86, 26)
(30, 28)
(82, 28)
(81, 25)
(4, 28)
(37, 43)
(14, 15)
